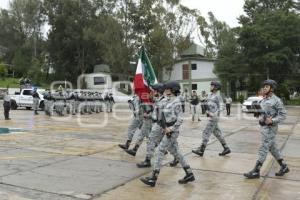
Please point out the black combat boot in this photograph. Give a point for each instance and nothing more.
(146, 163)
(174, 162)
(225, 151)
(283, 168)
(200, 150)
(35, 112)
(254, 173)
(151, 180)
(132, 151)
(126, 145)
(189, 176)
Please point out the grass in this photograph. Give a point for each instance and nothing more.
(9, 82)
(295, 102)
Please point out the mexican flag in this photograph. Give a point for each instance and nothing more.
(144, 77)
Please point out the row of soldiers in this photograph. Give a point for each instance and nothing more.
(160, 122)
(77, 102)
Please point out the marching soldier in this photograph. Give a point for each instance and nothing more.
(272, 113)
(171, 120)
(59, 103)
(213, 113)
(136, 121)
(81, 103)
(156, 133)
(77, 102)
(145, 129)
(71, 103)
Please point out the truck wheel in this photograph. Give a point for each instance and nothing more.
(13, 105)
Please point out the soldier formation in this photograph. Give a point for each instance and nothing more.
(160, 122)
(73, 102)
(160, 119)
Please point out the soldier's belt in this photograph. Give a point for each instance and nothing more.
(170, 124)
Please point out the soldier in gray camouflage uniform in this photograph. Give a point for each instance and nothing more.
(59, 103)
(272, 113)
(171, 121)
(156, 133)
(145, 129)
(213, 113)
(136, 121)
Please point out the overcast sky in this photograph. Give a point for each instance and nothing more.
(224, 10)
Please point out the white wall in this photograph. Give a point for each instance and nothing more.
(204, 70)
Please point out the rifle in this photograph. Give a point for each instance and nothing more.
(257, 111)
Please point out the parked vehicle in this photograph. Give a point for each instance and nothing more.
(25, 99)
(247, 105)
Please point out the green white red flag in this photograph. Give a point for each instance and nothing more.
(144, 77)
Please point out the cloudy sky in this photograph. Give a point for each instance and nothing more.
(224, 10)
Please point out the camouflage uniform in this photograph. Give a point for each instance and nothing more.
(50, 103)
(147, 124)
(145, 128)
(273, 107)
(214, 107)
(171, 120)
(173, 115)
(213, 112)
(136, 121)
(59, 104)
(271, 112)
(156, 133)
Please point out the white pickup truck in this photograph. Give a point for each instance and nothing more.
(25, 99)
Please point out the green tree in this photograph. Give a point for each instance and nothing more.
(270, 38)
(21, 33)
(3, 71)
(34, 72)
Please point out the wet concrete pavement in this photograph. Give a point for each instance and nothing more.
(77, 157)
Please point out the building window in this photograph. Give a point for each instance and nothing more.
(99, 80)
(185, 72)
(194, 66)
(194, 86)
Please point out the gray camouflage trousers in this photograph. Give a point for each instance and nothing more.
(35, 105)
(268, 143)
(134, 125)
(212, 127)
(170, 144)
(145, 131)
(155, 137)
(59, 107)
